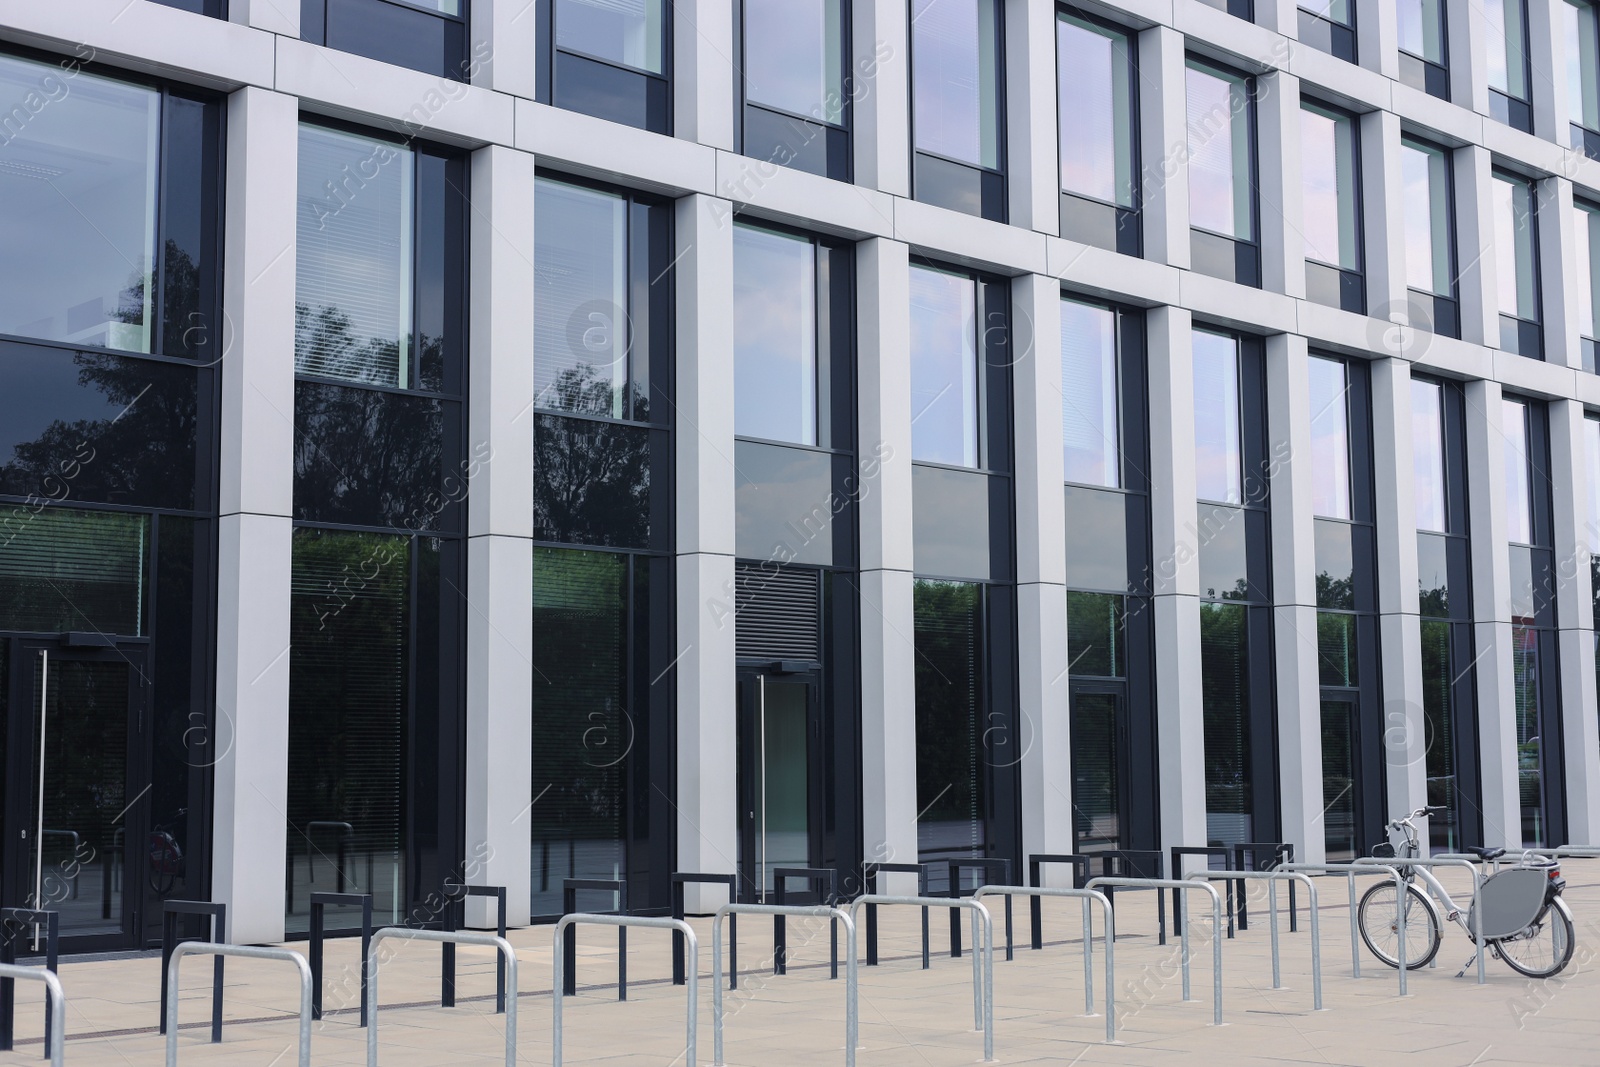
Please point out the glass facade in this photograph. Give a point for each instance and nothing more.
(1517, 264)
(1332, 208)
(1222, 173)
(1098, 132)
(1330, 26)
(110, 197)
(1429, 240)
(944, 367)
(607, 60)
(1510, 95)
(957, 127)
(955, 789)
(775, 336)
(1519, 491)
(425, 35)
(1090, 399)
(378, 569)
(1219, 473)
(1586, 246)
(1581, 32)
(797, 97)
(1422, 29)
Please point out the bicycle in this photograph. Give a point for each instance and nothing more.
(1525, 921)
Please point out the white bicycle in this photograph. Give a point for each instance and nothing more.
(1525, 921)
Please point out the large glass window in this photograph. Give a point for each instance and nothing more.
(1330, 439)
(1586, 246)
(1330, 25)
(956, 110)
(1428, 458)
(1222, 205)
(944, 368)
(1332, 208)
(1218, 460)
(1096, 109)
(1581, 30)
(1423, 61)
(425, 35)
(1517, 264)
(775, 336)
(78, 175)
(796, 99)
(1509, 95)
(354, 257)
(1225, 696)
(1089, 394)
(608, 60)
(583, 335)
(1519, 496)
(1430, 246)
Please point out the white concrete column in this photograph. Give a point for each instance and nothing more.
(505, 48)
(879, 83)
(275, 16)
(1491, 607)
(1378, 36)
(1283, 246)
(1381, 207)
(1164, 146)
(1559, 287)
(703, 73)
(1572, 482)
(1032, 172)
(888, 624)
(499, 790)
(1474, 200)
(1405, 732)
(250, 821)
(1469, 41)
(1041, 567)
(707, 800)
(1176, 578)
(1294, 591)
(1547, 59)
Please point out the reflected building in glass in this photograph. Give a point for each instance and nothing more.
(616, 445)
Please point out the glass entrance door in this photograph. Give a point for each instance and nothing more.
(780, 783)
(1099, 768)
(77, 788)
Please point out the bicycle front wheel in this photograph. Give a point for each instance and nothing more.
(1544, 948)
(1379, 921)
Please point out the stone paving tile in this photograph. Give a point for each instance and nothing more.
(909, 1017)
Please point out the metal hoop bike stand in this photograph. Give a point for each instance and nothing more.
(57, 1041)
(444, 937)
(1272, 878)
(982, 979)
(1085, 895)
(1418, 861)
(1351, 872)
(251, 952)
(820, 911)
(1183, 938)
(622, 922)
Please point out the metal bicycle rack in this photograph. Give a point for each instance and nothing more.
(1085, 895)
(12, 921)
(55, 1043)
(1272, 878)
(1418, 861)
(445, 937)
(251, 952)
(1351, 872)
(622, 922)
(982, 978)
(820, 911)
(1182, 885)
(319, 905)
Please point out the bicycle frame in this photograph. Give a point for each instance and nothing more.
(1453, 912)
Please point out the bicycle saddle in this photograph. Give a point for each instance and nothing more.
(1487, 854)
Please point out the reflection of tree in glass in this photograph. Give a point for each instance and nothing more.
(369, 457)
(592, 483)
(325, 345)
(1225, 699)
(952, 782)
(141, 452)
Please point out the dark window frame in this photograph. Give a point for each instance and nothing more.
(605, 76)
(1219, 255)
(217, 9)
(1516, 111)
(1336, 286)
(993, 184)
(1085, 218)
(1327, 35)
(1520, 336)
(1427, 310)
(454, 43)
(837, 160)
(1419, 73)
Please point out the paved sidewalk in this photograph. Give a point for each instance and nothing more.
(908, 1016)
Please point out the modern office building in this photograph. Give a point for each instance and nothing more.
(513, 440)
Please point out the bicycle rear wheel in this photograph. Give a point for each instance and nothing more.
(1544, 948)
(1379, 921)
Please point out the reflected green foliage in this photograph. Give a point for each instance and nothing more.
(593, 482)
(63, 569)
(1438, 710)
(1096, 635)
(1224, 683)
(1337, 650)
(952, 777)
(1336, 592)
